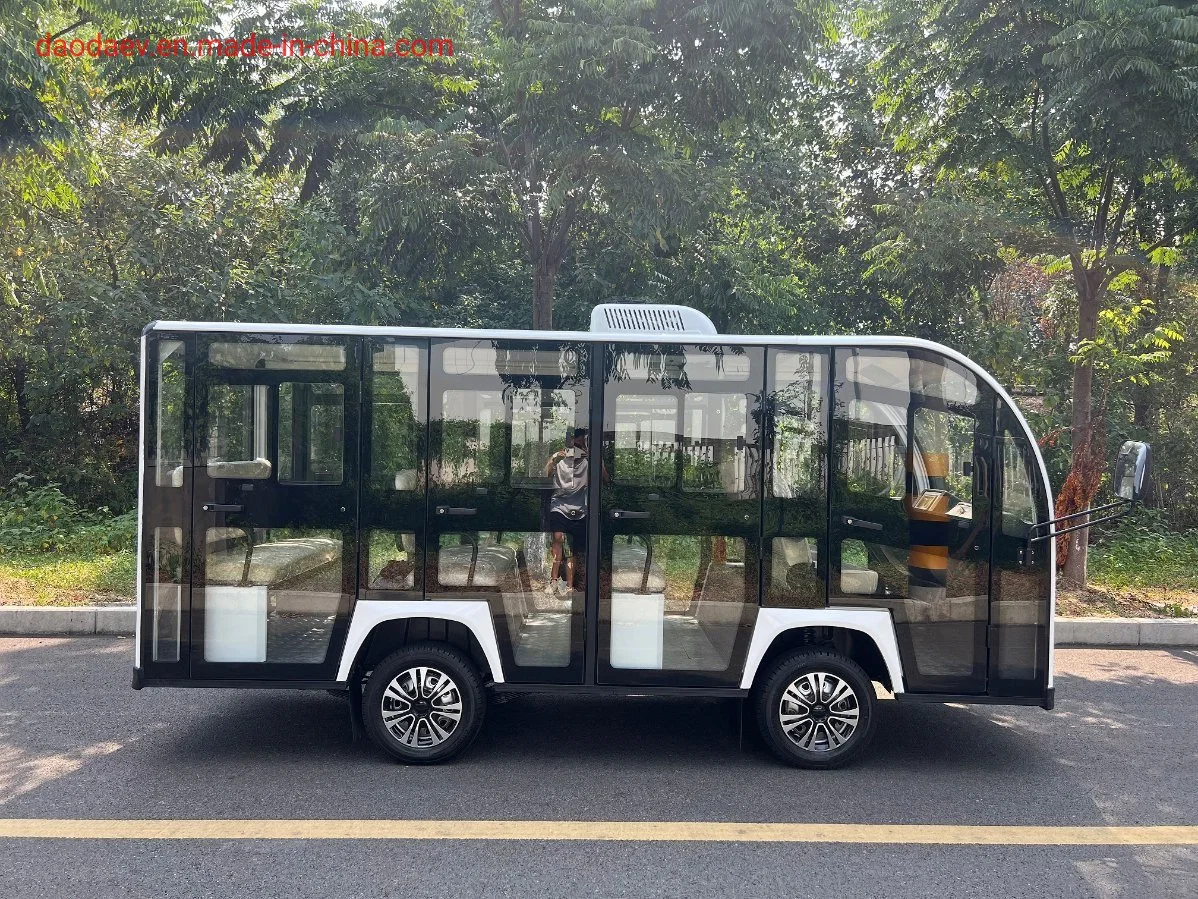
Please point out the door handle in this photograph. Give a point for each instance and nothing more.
(860, 523)
(223, 507)
(628, 513)
(456, 510)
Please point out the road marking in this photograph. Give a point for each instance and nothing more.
(651, 831)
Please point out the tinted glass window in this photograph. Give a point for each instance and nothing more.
(397, 417)
(714, 428)
(277, 356)
(911, 506)
(236, 443)
(172, 397)
(272, 594)
(311, 433)
(796, 506)
(646, 439)
(542, 421)
(473, 437)
(1023, 579)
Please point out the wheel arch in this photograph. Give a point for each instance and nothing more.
(864, 635)
(379, 627)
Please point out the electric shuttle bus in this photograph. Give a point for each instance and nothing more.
(416, 517)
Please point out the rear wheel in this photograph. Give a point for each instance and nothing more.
(815, 708)
(424, 703)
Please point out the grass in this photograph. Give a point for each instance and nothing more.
(1142, 571)
(57, 579)
(1136, 558)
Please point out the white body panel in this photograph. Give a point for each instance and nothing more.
(474, 614)
(875, 623)
(141, 481)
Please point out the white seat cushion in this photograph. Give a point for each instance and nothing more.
(272, 563)
(858, 581)
(495, 565)
(250, 469)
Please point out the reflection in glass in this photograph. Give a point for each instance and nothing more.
(1022, 582)
(677, 601)
(277, 356)
(793, 579)
(671, 425)
(909, 427)
(392, 560)
(799, 439)
(311, 433)
(715, 427)
(939, 378)
(166, 593)
(488, 358)
(1018, 503)
(796, 505)
(473, 437)
(397, 419)
(513, 568)
(237, 435)
(271, 595)
(170, 457)
(542, 421)
(646, 440)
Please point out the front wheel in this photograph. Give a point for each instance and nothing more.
(424, 703)
(815, 708)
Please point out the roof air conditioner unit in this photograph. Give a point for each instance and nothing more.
(649, 318)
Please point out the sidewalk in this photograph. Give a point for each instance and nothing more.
(119, 620)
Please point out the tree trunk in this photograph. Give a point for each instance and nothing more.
(18, 372)
(544, 283)
(1085, 469)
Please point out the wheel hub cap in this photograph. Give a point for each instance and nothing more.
(819, 712)
(422, 707)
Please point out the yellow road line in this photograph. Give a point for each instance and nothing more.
(652, 831)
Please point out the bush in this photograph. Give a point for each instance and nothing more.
(1144, 552)
(42, 519)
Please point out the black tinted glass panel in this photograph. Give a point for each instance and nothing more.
(911, 507)
(311, 433)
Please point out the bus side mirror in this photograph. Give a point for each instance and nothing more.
(1131, 470)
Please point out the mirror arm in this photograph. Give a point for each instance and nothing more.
(1126, 504)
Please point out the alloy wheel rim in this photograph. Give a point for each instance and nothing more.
(422, 707)
(819, 712)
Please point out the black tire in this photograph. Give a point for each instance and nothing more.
(819, 734)
(390, 724)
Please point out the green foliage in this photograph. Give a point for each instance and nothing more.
(41, 519)
(953, 169)
(1147, 552)
(1126, 349)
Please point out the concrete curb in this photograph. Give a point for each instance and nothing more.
(119, 620)
(1127, 632)
(52, 621)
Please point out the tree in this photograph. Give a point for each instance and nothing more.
(607, 104)
(34, 84)
(1083, 116)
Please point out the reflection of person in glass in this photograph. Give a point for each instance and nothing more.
(568, 468)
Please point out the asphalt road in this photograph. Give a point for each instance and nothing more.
(75, 742)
